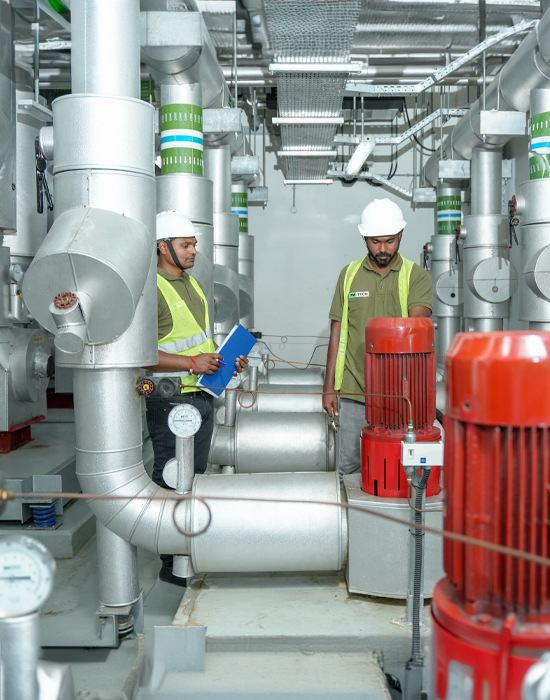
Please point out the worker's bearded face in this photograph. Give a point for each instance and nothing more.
(383, 250)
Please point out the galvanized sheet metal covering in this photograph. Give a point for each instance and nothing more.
(310, 31)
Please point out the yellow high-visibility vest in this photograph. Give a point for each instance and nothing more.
(353, 268)
(186, 336)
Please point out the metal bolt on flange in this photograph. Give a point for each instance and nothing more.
(145, 387)
(65, 300)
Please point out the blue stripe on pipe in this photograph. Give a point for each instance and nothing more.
(191, 139)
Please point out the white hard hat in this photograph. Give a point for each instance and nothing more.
(172, 224)
(380, 218)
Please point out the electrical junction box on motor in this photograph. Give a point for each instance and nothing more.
(422, 454)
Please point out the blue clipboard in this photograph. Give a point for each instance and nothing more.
(238, 342)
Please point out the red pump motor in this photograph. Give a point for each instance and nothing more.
(399, 361)
(491, 613)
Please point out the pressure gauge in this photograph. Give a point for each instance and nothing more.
(184, 420)
(26, 575)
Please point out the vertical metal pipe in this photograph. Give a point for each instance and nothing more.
(19, 649)
(236, 77)
(117, 569)
(36, 32)
(230, 408)
(486, 179)
(186, 464)
(489, 277)
(105, 54)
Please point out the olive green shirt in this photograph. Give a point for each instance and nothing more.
(185, 289)
(377, 296)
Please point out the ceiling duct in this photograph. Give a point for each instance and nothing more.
(310, 31)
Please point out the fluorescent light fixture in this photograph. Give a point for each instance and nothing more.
(307, 154)
(359, 156)
(308, 120)
(353, 67)
(325, 181)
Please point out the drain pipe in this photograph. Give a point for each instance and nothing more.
(532, 206)
(490, 278)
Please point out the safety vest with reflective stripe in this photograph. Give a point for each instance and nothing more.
(403, 286)
(186, 336)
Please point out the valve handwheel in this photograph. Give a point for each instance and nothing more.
(65, 300)
(145, 387)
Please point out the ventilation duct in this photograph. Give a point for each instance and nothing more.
(310, 31)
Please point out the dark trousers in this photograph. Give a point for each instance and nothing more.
(164, 441)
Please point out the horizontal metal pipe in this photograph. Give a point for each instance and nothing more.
(276, 442)
(524, 72)
(269, 536)
(265, 537)
(286, 398)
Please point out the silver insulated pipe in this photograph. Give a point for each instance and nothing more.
(103, 231)
(533, 209)
(242, 536)
(490, 279)
(446, 269)
(526, 70)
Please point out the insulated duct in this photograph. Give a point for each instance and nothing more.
(310, 31)
(526, 70)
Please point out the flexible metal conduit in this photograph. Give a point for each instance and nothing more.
(527, 69)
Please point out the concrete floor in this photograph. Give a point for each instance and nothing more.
(264, 635)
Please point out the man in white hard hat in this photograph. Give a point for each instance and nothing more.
(382, 284)
(186, 349)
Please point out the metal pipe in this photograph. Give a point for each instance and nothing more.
(534, 213)
(19, 650)
(275, 442)
(525, 71)
(445, 269)
(277, 536)
(36, 58)
(253, 378)
(105, 53)
(270, 536)
(117, 568)
(490, 279)
(185, 456)
(288, 398)
(486, 178)
(230, 408)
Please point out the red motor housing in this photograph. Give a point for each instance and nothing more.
(492, 612)
(399, 361)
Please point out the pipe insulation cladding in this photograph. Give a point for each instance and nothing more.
(526, 70)
(242, 537)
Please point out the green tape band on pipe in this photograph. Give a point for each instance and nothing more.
(239, 205)
(539, 146)
(448, 214)
(181, 141)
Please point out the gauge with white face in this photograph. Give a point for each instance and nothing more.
(184, 420)
(26, 575)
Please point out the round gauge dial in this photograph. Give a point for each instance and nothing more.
(184, 420)
(26, 575)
